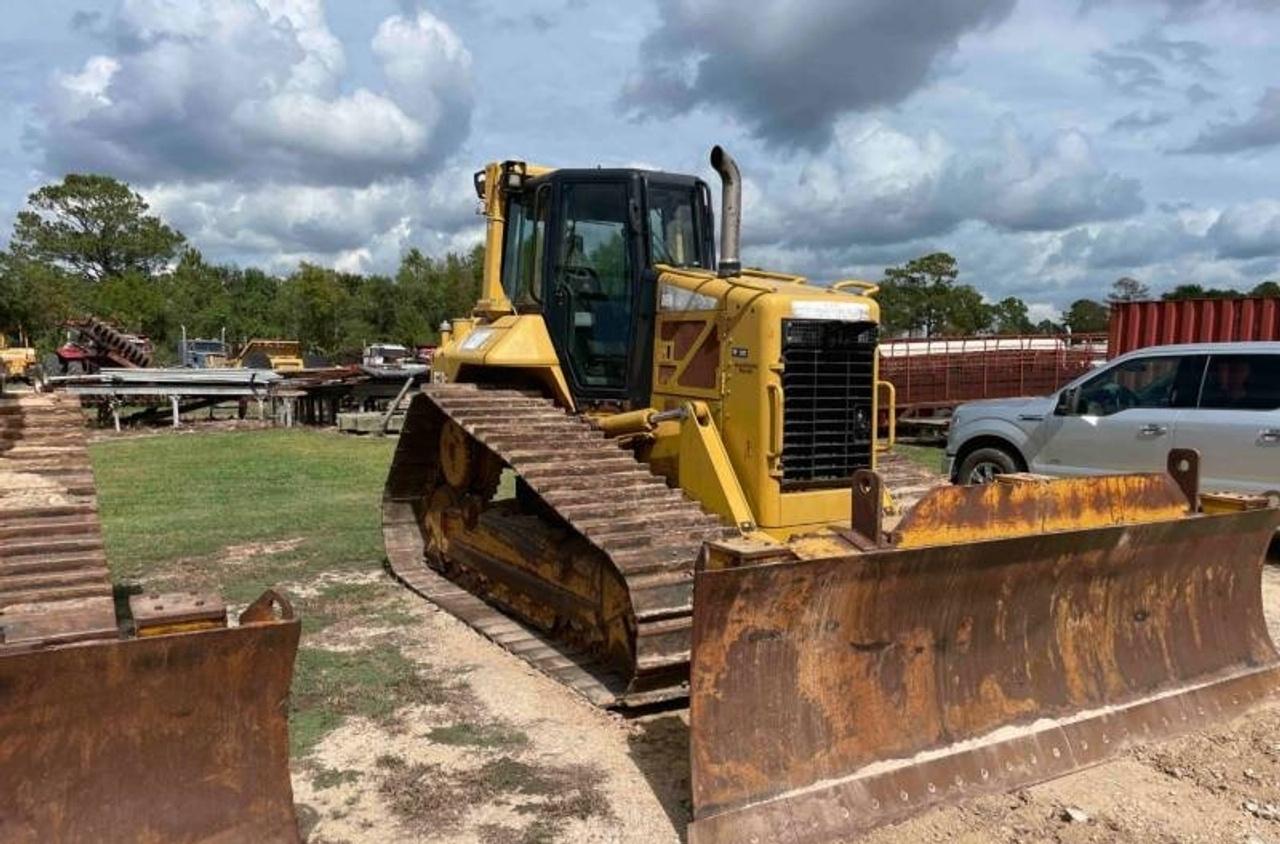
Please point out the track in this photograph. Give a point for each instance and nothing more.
(588, 505)
(54, 585)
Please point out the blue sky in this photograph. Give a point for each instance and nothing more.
(1051, 147)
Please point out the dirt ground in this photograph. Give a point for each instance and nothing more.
(506, 755)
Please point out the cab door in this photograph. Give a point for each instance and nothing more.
(591, 299)
(1124, 419)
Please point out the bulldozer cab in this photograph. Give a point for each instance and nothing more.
(580, 248)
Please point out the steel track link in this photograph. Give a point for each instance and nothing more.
(54, 585)
(649, 533)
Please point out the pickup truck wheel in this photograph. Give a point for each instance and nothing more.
(982, 466)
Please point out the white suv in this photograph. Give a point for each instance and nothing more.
(1222, 399)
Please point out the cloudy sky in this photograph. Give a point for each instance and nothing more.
(1050, 146)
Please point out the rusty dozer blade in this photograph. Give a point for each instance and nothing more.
(1002, 635)
(165, 737)
(162, 725)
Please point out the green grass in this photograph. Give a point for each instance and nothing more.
(181, 496)
(172, 504)
(330, 777)
(926, 457)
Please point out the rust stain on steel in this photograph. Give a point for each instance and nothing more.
(1021, 504)
(178, 734)
(168, 738)
(810, 677)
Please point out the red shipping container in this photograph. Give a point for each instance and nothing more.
(1136, 325)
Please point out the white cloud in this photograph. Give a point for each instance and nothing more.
(880, 185)
(249, 90)
(1039, 311)
(367, 227)
(1248, 230)
(274, 130)
(89, 86)
(361, 127)
(240, 123)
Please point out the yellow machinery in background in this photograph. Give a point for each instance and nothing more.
(18, 361)
(652, 474)
(277, 355)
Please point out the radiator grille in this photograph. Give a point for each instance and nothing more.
(826, 392)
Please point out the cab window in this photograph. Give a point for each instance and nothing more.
(1242, 382)
(673, 234)
(522, 249)
(1167, 381)
(593, 280)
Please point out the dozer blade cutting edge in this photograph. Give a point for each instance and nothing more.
(1003, 635)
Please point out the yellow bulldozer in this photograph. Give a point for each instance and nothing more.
(18, 361)
(277, 355)
(652, 475)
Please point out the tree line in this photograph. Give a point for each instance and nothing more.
(923, 299)
(88, 245)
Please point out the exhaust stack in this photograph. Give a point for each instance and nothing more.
(730, 210)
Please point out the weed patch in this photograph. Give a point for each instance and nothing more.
(330, 777)
(471, 734)
(424, 795)
(507, 775)
(339, 601)
(389, 762)
(539, 832)
(329, 686)
(552, 795)
(926, 457)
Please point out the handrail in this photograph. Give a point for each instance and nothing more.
(869, 288)
(891, 406)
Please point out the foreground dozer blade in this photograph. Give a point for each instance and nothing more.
(829, 696)
(168, 738)
(159, 724)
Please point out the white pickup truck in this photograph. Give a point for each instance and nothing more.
(1222, 399)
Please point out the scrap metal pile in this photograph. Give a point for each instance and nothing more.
(99, 344)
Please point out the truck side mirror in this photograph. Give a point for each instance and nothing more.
(1067, 400)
